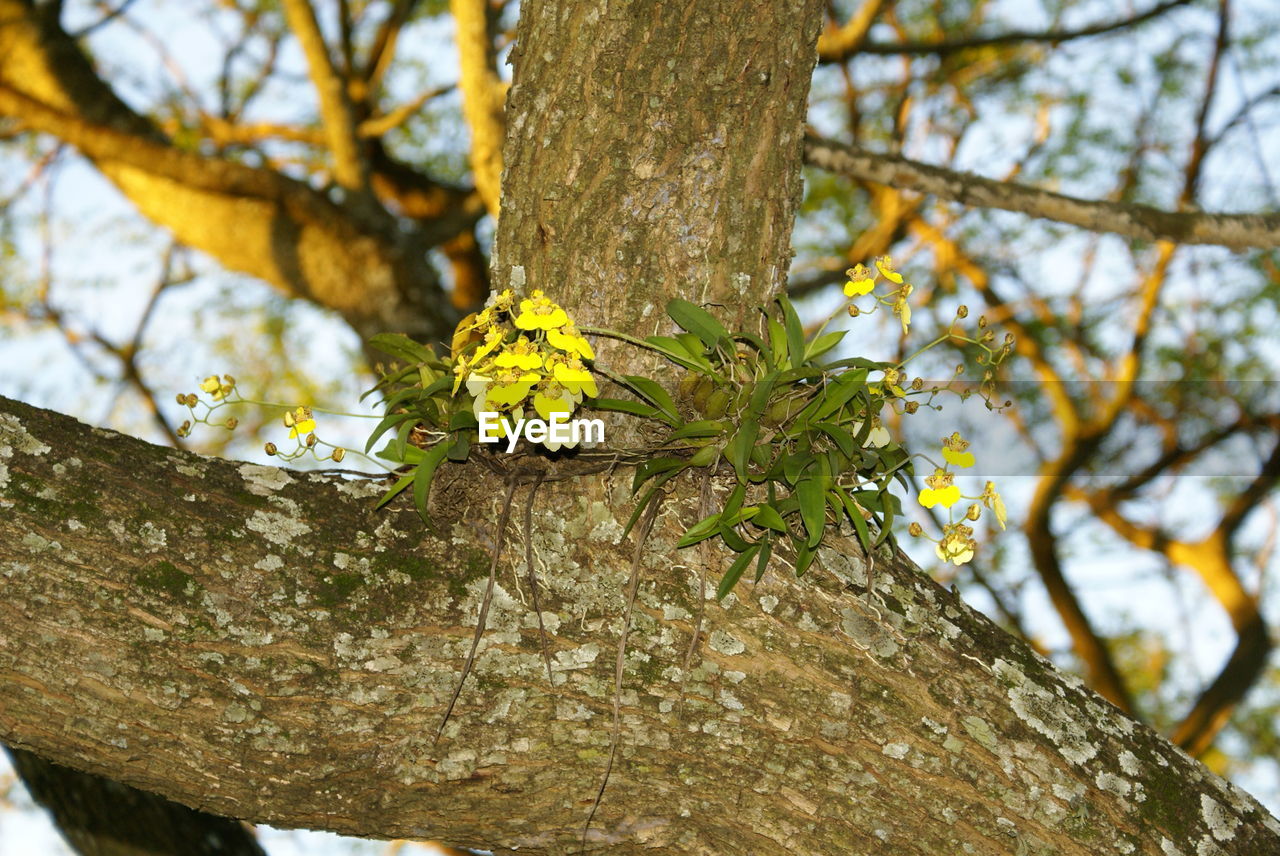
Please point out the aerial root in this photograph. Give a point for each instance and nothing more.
(633, 585)
(484, 605)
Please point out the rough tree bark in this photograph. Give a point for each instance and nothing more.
(263, 645)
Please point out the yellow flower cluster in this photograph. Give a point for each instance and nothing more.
(861, 281)
(956, 544)
(515, 354)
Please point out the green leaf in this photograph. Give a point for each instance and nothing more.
(855, 517)
(769, 518)
(700, 531)
(460, 448)
(697, 321)
(843, 439)
(732, 539)
(757, 344)
(705, 457)
(822, 344)
(402, 347)
(693, 345)
(766, 553)
(655, 394)
(777, 344)
(462, 420)
(635, 408)
(701, 428)
(403, 482)
(795, 464)
(760, 396)
(731, 576)
(653, 467)
(675, 350)
(402, 439)
(740, 447)
(813, 509)
(385, 425)
(795, 330)
(804, 558)
(846, 385)
(886, 525)
(649, 496)
(424, 474)
(734, 502)
(410, 454)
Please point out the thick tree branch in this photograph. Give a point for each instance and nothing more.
(843, 41)
(1237, 231)
(839, 52)
(354, 259)
(483, 97)
(262, 644)
(349, 166)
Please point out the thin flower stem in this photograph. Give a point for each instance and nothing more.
(622, 337)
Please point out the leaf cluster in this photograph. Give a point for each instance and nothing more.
(789, 425)
(429, 423)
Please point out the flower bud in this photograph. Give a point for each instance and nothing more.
(232, 422)
(915, 530)
(974, 512)
(338, 454)
(982, 321)
(911, 406)
(271, 449)
(917, 384)
(962, 311)
(311, 440)
(854, 311)
(182, 398)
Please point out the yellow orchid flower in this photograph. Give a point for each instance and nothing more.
(461, 371)
(940, 490)
(575, 378)
(903, 310)
(554, 399)
(300, 421)
(540, 313)
(520, 354)
(566, 339)
(860, 281)
(502, 301)
(992, 500)
(884, 264)
(954, 451)
(879, 436)
(510, 388)
(492, 338)
(957, 544)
